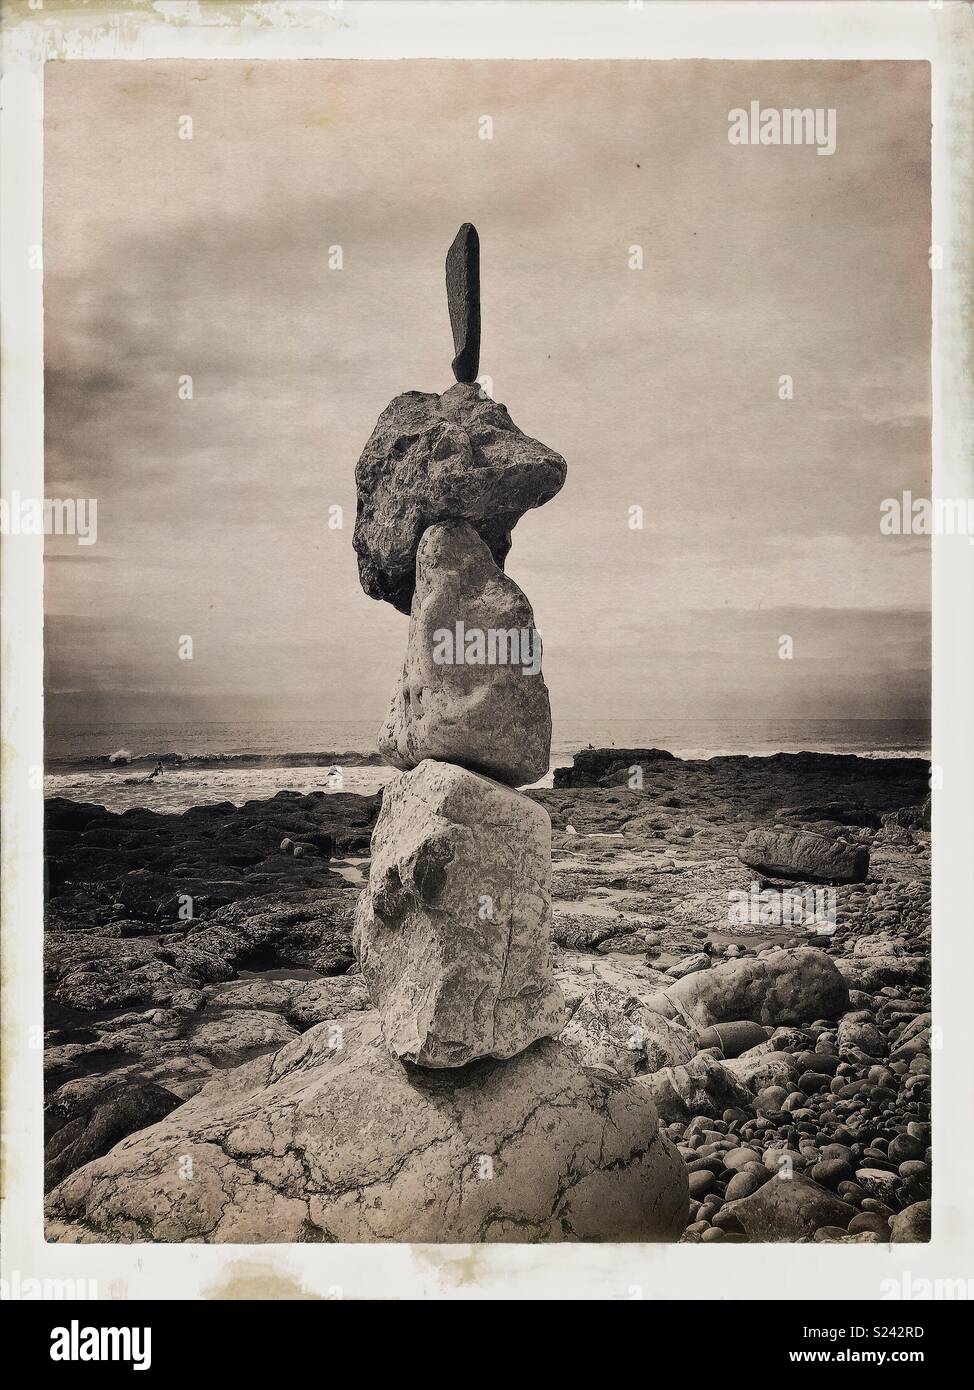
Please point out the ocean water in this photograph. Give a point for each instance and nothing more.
(241, 761)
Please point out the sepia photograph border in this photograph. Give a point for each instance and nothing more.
(360, 30)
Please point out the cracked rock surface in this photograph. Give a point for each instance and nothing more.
(453, 933)
(615, 1029)
(331, 1139)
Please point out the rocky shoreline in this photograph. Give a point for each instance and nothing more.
(196, 962)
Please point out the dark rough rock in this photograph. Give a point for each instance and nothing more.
(96, 1121)
(455, 457)
(581, 933)
(804, 857)
(342, 1143)
(147, 863)
(463, 299)
(303, 928)
(839, 812)
(594, 767)
(86, 972)
(910, 817)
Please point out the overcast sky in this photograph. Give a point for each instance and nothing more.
(209, 257)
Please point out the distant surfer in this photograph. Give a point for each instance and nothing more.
(157, 771)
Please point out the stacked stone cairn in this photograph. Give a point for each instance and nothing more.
(453, 934)
(460, 1107)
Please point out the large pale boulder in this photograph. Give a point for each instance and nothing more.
(793, 986)
(331, 1139)
(612, 1028)
(471, 690)
(804, 857)
(458, 456)
(453, 933)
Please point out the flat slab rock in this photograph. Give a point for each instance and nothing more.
(430, 458)
(331, 1139)
(453, 933)
(471, 690)
(805, 857)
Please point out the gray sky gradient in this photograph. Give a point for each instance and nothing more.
(208, 257)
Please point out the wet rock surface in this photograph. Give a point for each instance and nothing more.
(164, 936)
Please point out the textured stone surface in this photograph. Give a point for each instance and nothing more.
(805, 857)
(912, 1225)
(433, 458)
(762, 1067)
(872, 973)
(789, 1209)
(91, 1117)
(491, 716)
(463, 299)
(703, 1086)
(796, 986)
(331, 1139)
(453, 933)
(611, 1028)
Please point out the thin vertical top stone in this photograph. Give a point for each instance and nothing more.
(463, 298)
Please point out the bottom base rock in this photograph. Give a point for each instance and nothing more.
(331, 1139)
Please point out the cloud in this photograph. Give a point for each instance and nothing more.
(208, 259)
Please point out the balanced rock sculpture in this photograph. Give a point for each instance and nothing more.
(386, 1124)
(453, 934)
